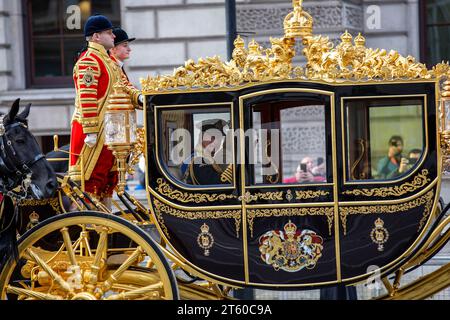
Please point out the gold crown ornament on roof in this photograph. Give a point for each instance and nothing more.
(360, 41)
(298, 23)
(346, 37)
(350, 61)
(239, 42)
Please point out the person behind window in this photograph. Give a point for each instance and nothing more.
(306, 172)
(394, 164)
(413, 157)
(207, 165)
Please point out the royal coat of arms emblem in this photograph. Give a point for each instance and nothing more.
(290, 249)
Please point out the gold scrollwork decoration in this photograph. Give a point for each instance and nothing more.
(272, 196)
(419, 181)
(53, 202)
(137, 150)
(166, 190)
(309, 194)
(290, 212)
(426, 200)
(161, 208)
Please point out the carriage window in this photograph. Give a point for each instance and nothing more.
(385, 137)
(197, 145)
(289, 143)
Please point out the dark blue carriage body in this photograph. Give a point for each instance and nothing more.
(291, 235)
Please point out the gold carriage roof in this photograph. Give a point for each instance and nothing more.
(350, 61)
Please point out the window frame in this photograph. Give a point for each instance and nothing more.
(159, 150)
(277, 108)
(346, 165)
(330, 143)
(423, 32)
(31, 80)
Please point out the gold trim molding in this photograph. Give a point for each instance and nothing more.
(426, 200)
(419, 181)
(161, 208)
(54, 202)
(290, 212)
(299, 195)
(273, 196)
(186, 197)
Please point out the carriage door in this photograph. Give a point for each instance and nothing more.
(287, 188)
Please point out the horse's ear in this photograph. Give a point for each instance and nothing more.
(24, 114)
(14, 110)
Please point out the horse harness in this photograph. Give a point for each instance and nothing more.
(15, 173)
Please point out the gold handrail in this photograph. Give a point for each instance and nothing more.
(423, 287)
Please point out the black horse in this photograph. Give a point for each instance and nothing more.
(24, 174)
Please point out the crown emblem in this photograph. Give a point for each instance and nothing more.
(34, 217)
(298, 23)
(290, 228)
(360, 41)
(379, 223)
(253, 47)
(239, 42)
(204, 228)
(346, 37)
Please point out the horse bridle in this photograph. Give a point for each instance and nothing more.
(16, 173)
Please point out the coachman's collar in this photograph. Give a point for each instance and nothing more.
(98, 47)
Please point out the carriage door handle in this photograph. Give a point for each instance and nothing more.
(248, 197)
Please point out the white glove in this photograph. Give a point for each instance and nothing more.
(91, 139)
(141, 99)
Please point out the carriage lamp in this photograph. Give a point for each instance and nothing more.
(120, 130)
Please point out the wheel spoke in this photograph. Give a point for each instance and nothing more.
(92, 277)
(31, 294)
(64, 285)
(136, 293)
(84, 244)
(124, 266)
(101, 248)
(150, 264)
(69, 247)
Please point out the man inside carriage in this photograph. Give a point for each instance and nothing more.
(208, 164)
(95, 74)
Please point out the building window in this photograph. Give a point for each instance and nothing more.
(55, 35)
(435, 16)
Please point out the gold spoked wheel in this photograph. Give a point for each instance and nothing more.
(93, 256)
